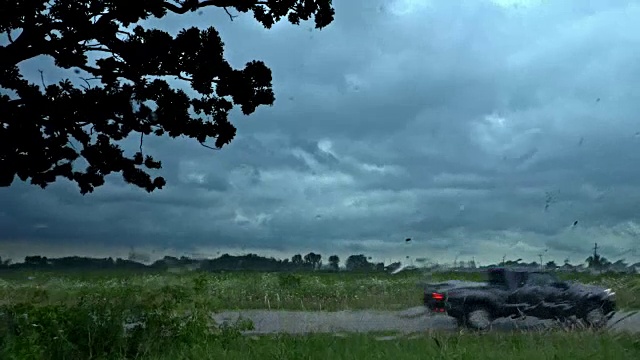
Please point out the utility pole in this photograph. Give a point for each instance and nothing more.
(595, 251)
(503, 259)
(540, 256)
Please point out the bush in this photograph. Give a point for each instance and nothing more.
(106, 325)
(289, 280)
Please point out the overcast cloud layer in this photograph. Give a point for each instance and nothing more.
(476, 128)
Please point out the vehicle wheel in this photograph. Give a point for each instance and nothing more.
(459, 321)
(478, 318)
(595, 318)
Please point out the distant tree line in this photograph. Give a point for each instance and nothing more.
(253, 262)
(226, 262)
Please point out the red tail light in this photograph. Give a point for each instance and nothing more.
(437, 296)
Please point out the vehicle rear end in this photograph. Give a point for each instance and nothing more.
(435, 301)
(436, 295)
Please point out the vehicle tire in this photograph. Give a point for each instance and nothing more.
(478, 317)
(594, 317)
(459, 320)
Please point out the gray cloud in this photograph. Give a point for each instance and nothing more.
(446, 121)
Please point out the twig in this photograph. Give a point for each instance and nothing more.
(228, 13)
(124, 33)
(42, 79)
(209, 147)
(141, 136)
(85, 80)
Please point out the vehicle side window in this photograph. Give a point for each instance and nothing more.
(497, 278)
(535, 279)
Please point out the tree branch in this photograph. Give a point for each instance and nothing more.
(192, 5)
(42, 79)
(231, 17)
(91, 70)
(209, 147)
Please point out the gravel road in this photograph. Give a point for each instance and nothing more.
(408, 321)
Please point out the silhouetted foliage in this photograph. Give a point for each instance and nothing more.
(254, 262)
(313, 260)
(597, 261)
(361, 263)
(125, 91)
(4, 262)
(297, 259)
(334, 262)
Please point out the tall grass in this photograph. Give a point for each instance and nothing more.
(541, 346)
(307, 291)
(117, 323)
(85, 316)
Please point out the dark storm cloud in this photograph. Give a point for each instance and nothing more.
(474, 128)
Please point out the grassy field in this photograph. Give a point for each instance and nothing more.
(81, 316)
(473, 347)
(230, 291)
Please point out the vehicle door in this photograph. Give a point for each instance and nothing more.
(515, 282)
(539, 293)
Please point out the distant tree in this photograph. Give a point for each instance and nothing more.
(334, 262)
(551, 265)
(297, 259)
(512, 262)
(36, 260)
(379, 267)
(313, 260)
(138, 256)
(597, 261)
(38, 123)
(620, 264)
(5, 262)
(358, 263)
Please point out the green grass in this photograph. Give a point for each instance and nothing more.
(81, 316)
(306, 291)
(474, 347)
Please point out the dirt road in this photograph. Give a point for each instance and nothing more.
(407, 321)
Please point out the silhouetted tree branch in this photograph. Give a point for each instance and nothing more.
(39, 123)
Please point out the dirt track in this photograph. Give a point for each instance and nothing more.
(407, 321)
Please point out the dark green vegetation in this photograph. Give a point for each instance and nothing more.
(225, 262)
(48, 315)
(255, 290)
(519, 346)
(254, 262)
(39, 123)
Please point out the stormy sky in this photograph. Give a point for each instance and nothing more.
(480, 129)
